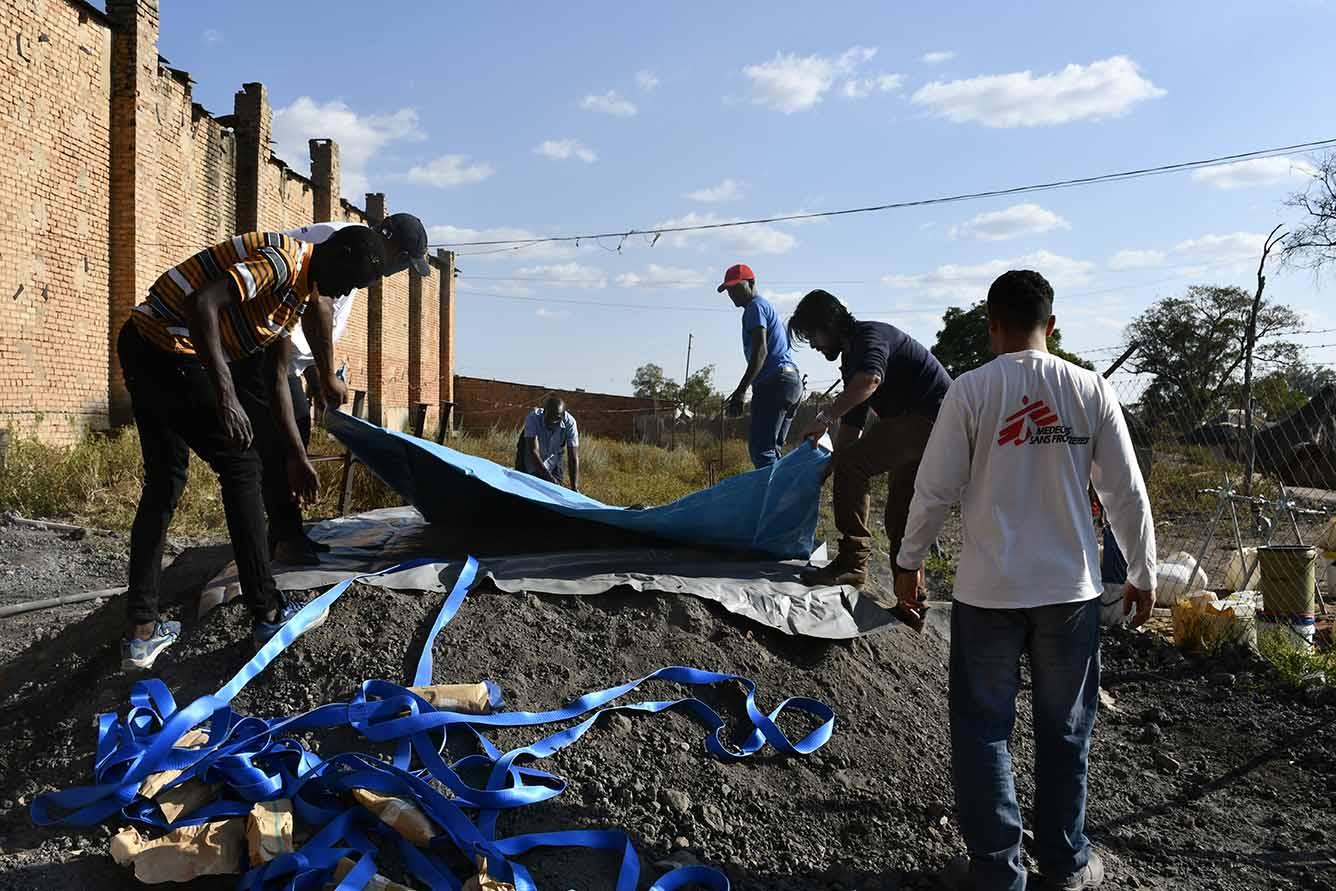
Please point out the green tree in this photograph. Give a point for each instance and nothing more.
(699, 393)
(1193, 346)
(1309, 379)
(962, 344)
(1275, 396)
(649, 382)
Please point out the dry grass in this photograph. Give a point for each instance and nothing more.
(97, 481)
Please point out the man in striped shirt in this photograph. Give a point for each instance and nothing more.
(205, 359)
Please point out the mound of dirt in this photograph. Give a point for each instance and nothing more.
(1249, 803)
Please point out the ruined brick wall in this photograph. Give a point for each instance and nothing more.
(286, 198)
(55, 191)
(481, 404)
(110, 173)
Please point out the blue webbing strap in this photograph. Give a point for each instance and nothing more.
(255, 759)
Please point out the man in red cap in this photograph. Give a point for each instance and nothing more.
(771, 372)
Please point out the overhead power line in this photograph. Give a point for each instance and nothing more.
(1296, 148)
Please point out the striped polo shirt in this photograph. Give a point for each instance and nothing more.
(268, 275)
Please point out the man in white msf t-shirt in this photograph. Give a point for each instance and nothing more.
(1016, 443)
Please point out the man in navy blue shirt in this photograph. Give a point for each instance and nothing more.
(771, 372)
(886, 370)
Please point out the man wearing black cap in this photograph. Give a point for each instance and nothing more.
(405, 247)
(197, 361)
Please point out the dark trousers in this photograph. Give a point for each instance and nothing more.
(1062, 642)
(174, 409)
(285, 514)
(772, 406)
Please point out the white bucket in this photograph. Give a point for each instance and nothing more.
(1297, 631)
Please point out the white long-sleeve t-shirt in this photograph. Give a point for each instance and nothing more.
(1016, 443)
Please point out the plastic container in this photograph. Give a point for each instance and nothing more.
(1234, 568)
(1289, 593)
(1176, 577)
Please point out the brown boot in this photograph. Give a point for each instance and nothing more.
(839, 571)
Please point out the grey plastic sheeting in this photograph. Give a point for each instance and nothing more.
(767, 592)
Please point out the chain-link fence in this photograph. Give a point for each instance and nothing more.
(1196, 456)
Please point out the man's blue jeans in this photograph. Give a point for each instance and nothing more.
(986, 646)
(772, 405)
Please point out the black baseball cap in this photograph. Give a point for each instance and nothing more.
(411, 235)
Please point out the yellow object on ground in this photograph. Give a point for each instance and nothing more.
(1202, 620)
(377, 883)
(483, 882)
(401, 815)
(183, 854)
(269, 830)
(468, 698)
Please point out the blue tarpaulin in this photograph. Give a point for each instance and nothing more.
(772, 511)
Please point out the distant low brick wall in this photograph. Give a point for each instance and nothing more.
(481, 404)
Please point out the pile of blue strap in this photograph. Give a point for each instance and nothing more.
(257, 759)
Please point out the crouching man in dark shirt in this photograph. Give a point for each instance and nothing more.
(887, 371)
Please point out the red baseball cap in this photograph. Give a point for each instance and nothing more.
(735, 274)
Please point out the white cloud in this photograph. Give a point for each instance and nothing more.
(791, 83)
(545, 313)
(461, 236)
(1136, 259)
(760, 239)
(1254, 172)
(728, 190)
(1225, 249)
(574, 275)
(448, 171)
(646, 80)
(937, 57)
(784, 298)
(564, 149)
(360, 137)
(1107, 88)
(655, 275)
(1012, 222)
(213, 36)
(861, 88)
(970, 282)
(1197, 256)
(611, 102)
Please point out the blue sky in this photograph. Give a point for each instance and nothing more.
(501, 120)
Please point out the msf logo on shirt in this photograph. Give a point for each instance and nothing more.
(1037, 424)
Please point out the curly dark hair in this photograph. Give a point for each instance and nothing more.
(1020, 300)
(820, 311)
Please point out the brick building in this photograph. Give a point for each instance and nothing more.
(481, 404)
(110, 173)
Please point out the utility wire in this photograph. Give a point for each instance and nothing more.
(1296, 148)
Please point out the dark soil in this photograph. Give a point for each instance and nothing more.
(1232, 786)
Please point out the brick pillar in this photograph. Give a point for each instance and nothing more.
(375, 324)
(134, 67)
(254, 123)
(414, 338)
(446, 352)
(326, 187)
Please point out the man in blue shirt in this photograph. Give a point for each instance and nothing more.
(549, 432)
(771, 372)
